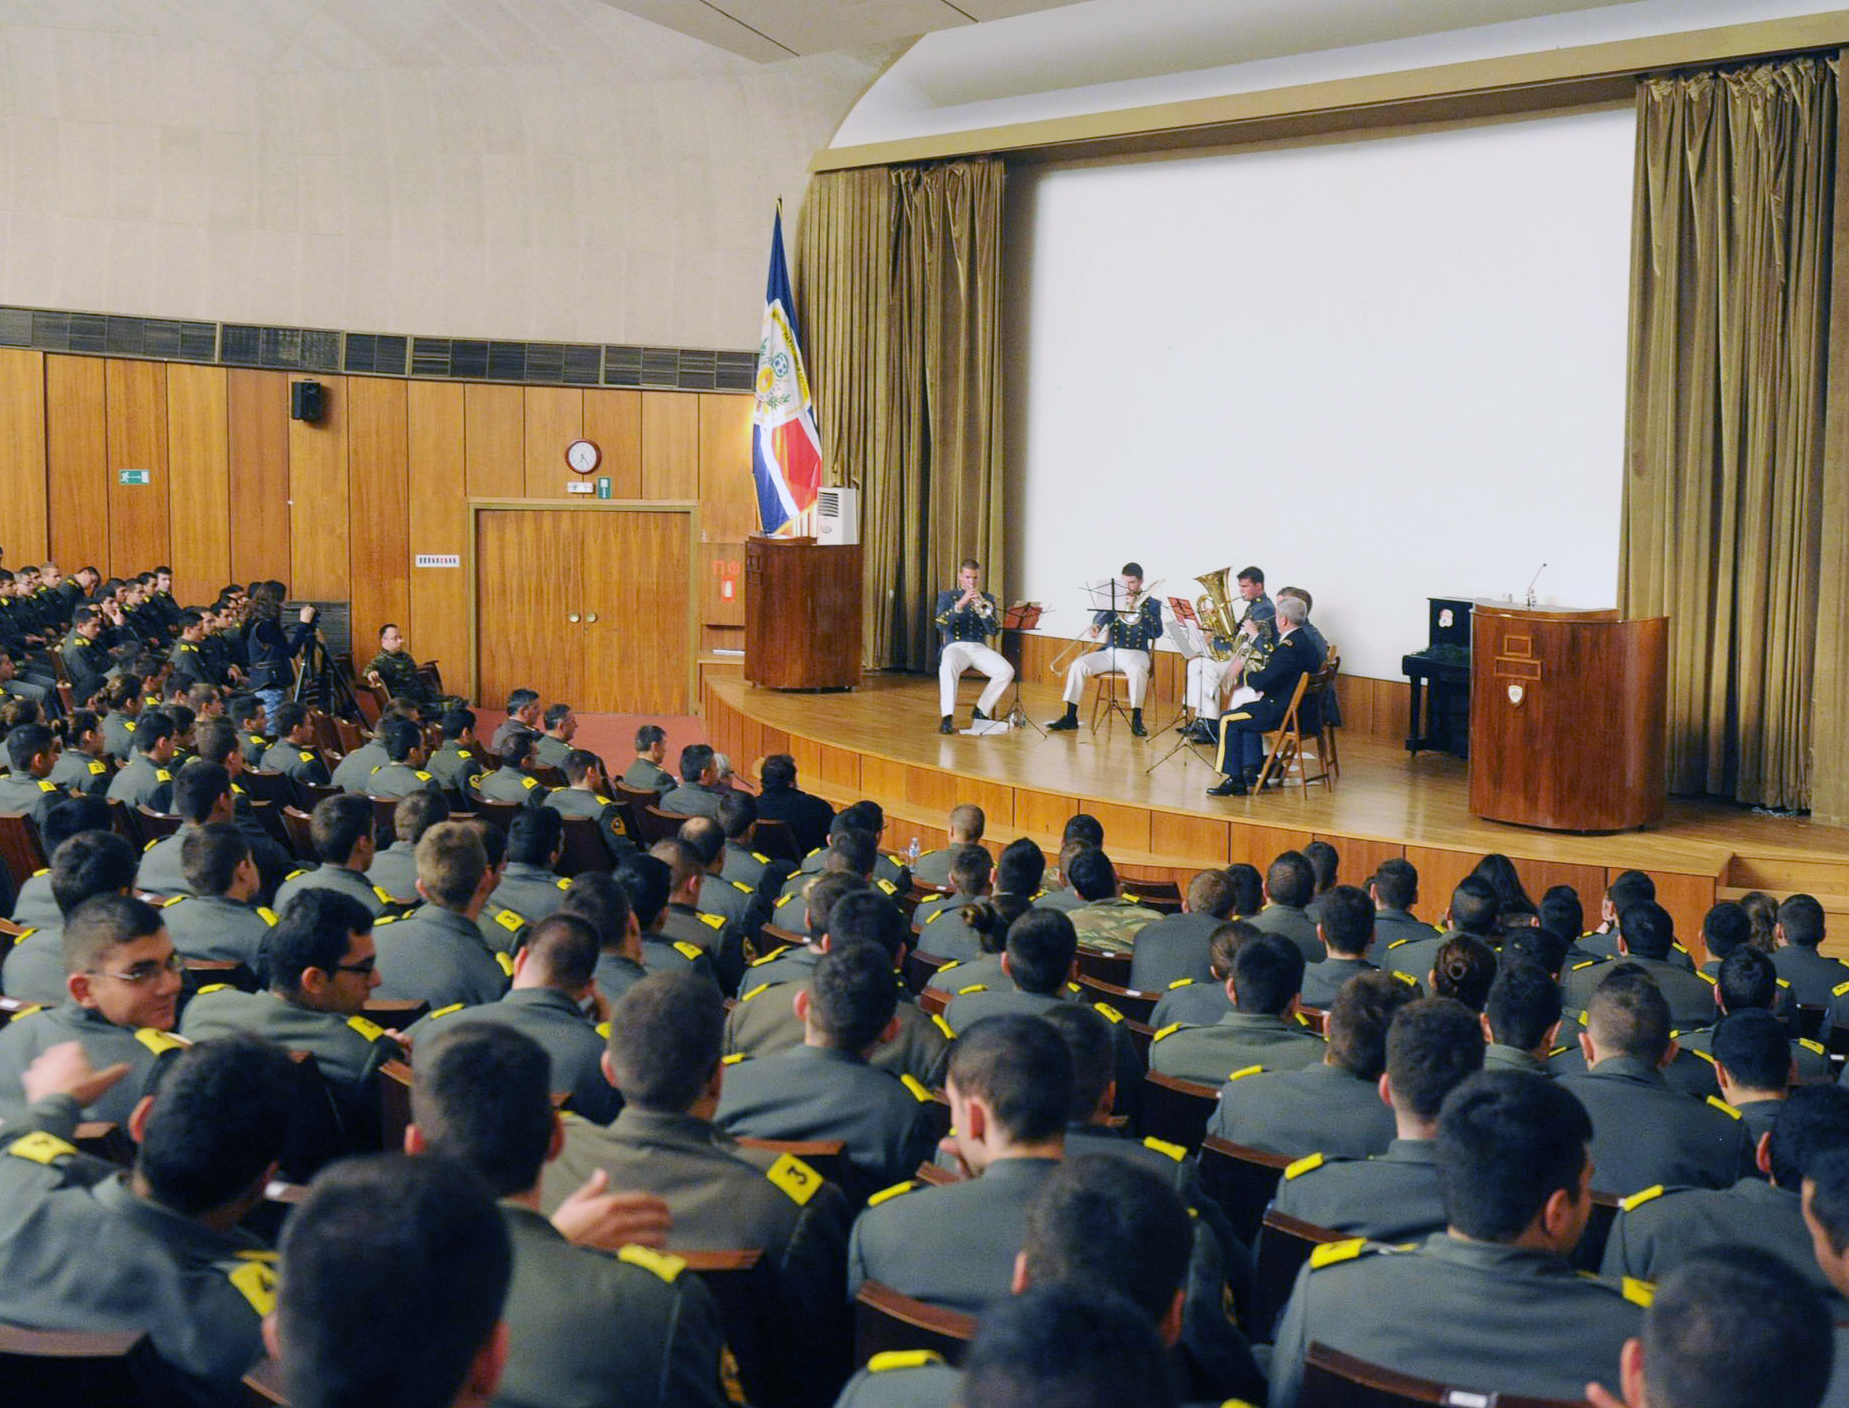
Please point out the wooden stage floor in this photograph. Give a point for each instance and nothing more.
(881, 741)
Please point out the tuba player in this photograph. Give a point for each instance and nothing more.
(966, 618)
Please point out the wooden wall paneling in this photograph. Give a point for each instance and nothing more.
(670, 445)
(1042, 814)
(1126, 828)
(135, 427)
(1688, 898)
(938, 791)
(1260, 845)
(747, 745)
(1202, 839)
(320, 568)
(378, 509)
(1439, 872)
(635, 570)
(728, 498)
(199, 482)
(22, 455)
(554, 418)
(494, 442)
(807, 754)
(1392, 709)
(1358, 859)
(437, 516)
(1539, 876)
(722, 584)
(879, 777)
(257, 413)
(507, 542)
(840, 766)
(614, 420)
(776, 741)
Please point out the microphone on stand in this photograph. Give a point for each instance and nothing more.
(1532, 580)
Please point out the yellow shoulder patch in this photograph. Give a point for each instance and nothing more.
(973, 987)
(733, 1059)
(1407, 979)
(1329, 1253)
(1108, 1012)
(420, 774)
(1702, 1055)
(445, 1011)
(172, 900)
(527, 782)
(1587, 964)
(713, 921)
(1167, 1031)
(603, 1030)
(304, 756)
(1181, 983)
(564, 884)
(1162, 1146)
(1397, 942)
(660, 1263)
(1836, 991)
(98, 769)
(1303, 1165)
(152, 844)
(267, 915)
(510, 921)
(795, 1178)
(255, 1278)
(687, 950)
(889, 1359)
(372, 1031)
(747, 996)
(885, 887)
(1642, 1196)
(380, 892)
(160, 1043)
(1724, 1107)
(47, 785)
(937, 1020)
(1638, 1292)
(213, 987)
(916, 1086)
(40, 1148)
(293, 874)
(1810, 1045)
(760, 858)
(1245, 1071)
(162, 775)
(887, 1194)
(506, 963)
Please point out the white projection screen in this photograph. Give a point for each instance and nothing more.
(1379, 369)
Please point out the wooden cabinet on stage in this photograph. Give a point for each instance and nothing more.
(802, 614)
(1567, 717)
(594, 605)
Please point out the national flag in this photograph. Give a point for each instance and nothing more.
(786, 451)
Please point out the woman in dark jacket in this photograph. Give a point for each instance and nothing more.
(270, 647)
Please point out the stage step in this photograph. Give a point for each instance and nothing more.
(1787, 875)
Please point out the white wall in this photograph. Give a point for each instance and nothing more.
(1380, 369)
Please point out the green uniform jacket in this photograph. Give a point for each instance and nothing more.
(214, 929)
(568, 1037)
(80, 774)
(158, 872)
(349, 1050)
(33, 796)
(34, 967)
(1643, 1132)
(454, 766)
(436, 956)
(1291, 922)
(399, 780)
(1320, 1108)
(341, 880)
(575, 801)
(1210, 1055)
(31, 1034)
(764, 1022)
(509, 785)
(531, 891)
(1175, 946)
(142, 784)
(394, 870)
(302, 764)
(645, 776)
(353, 773)
(1391, 1197)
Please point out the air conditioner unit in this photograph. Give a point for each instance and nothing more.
(837, 517)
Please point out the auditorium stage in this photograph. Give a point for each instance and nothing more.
(881, 741)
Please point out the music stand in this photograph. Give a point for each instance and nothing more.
(1022, 616)
(1185, 631)
(1106, 595)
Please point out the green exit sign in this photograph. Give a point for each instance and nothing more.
(132, 476)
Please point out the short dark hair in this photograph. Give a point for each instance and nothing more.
(243, 708)
(1811, 1120)
(25, 743)
(682, 860)
(648, 735)
(1544, 947)
(1523, 1003)
(1346, 915)
(1210, 893)
(70, 815)
(1099, 1222)
(1324, 861)
(1473, 907)
(1561, 912)
(1133, 569)
(456, 722)
(1290, 881)
(1731, 1324)
(1629, 888)
(1358, 1021)
(1248, 888)
(1252, 574)
(417, 812)
(398, 737)
(288, 718)
(696, 758)
(859, 851)
(970, 868)
(579, 764)
(738, 813)
(563, 948)
(1725, 927)
(393, 1273)
(665, 1034)
(516, 748)
(520, 699)
(210, 857)
(1829, 1176)
(197, 789)
(481, 1097)
(1747, 979)
(1091, 875)
(88, 864)
(597, 899)
(1061, 1345)
(150, 729)
(313, 931)
(1094, 1055)
(1801, 917)
(220, 1119)
(338, 824)
(1433, 1045)
(867, 814)
(1396, 883)
(1507, 1141)
(1267, 973)
(852, 995)
(1041, 946)
(1647, 930)
(823, 893)
(777, 773)
(862, 915)
(1022, 867)
(1082, 826)
(1019, 1067)
(705, 835)
(533, 836)
(100, 924)
(555, 714)
(1463, 968)
(1628, 1014)
(1755, 1048)
(1223, 946)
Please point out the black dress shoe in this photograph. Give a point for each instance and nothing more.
(1062, 725)
(1232, 787)
(1185, 726)
(1136, 727)
(944, 725)
(1200, 733)
(976, 716)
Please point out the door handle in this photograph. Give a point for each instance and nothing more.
(591, 617)
(572, 617)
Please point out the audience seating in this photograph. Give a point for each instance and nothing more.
(827, 1157)
(384, 816)
(657, 825)
(1284, 1244)
(1105, 965)
(920, 968)
(153, 825)
(1286, 753)
(584, 848)
(114, 1367)
(550, 778)
(1589, 1255)
(203, 972)
(1810, 1019)
(884, 1319)
(775, 839)
(639, 796)
(20, 850)
(1335, 1380)
(745, 1294)
(266, 785)
(394, 1105)
(1241, 1180)
(347, 735)
(1133, 1004)
(1177, 1110)
(1315, 1018)
(1162, 895)
(312, 794)
(296, 824)
(499, 815)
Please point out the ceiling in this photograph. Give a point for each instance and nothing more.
(769, 30)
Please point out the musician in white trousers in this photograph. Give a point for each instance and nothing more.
(1127, 637)
(1207, 679)
(966, 618)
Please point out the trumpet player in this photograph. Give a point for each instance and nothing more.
(1209, 674)
(1128, 636)
(966, 618)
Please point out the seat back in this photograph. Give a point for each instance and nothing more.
(394, 1105)
(657, 825)
(552, 779)
(1106, 965)
(309, 795)
(499, 815)
(347, 735)
(1163, 895)
(1589, 1255)
(1242, 1180)
(885, 1320)
(153, 825)
(1284, 1244)
(1133, 1004)
(584, 848)
(115, 1367)
(384, 819)
(1810, 1019)
(20, 849)
(775, 839)
(1177, 1110)
(641, 796)
(296, 823)
(827, 1157)
(267, 785)
(1335, 1380)
(746, 1296)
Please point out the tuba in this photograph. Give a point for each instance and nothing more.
(1219, 618)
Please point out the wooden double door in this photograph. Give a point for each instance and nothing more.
(591, 606)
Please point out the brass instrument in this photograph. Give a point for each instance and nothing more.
(1127, 613)
(1221, 619)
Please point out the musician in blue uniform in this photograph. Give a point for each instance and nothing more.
(1243, 729)
(966, 618)
(1125, 646)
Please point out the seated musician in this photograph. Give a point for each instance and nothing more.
(1243, 728)
(1209, 674)
(1127, 638)
(966, 617)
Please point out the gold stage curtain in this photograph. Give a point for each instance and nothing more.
(900, 287)
(1729, 356)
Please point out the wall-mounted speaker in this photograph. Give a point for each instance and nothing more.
(307, 400)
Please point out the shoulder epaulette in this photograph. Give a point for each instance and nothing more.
(1303, 1166)
(445, 1011)
(563, 883)
(1167, 1031)
(1560, 1050)
(936, 915)
(1642, 1196)
(97, 769)
(1810, 1045)
(372, 1031)
(1638, 1292)
(767, 958)
(760, 858)
(1724, 1107)
(1397, 942)
(1329, 1253)
(510, 920)
(1590, 962)
(387, 919)
(733, 1059)
(302, 870)
(47, 785)
(159, 1042)
(687, 950)
(376, 767)
(528, 782)
(41, 1148)
(973, 987)
(1783, 982)
(916, 1086)
(937, 1020)
(662, 1264)
(798, 1181)
(1108, 1012)
(890, 1359)
(46, 870)
(747, 996)
(162, 775)
(885, 887)
(1407, 979)
(1181, 983)
(152, 844)
(420, 774)
(887, 1194)
(253, 1273)
(1839, 990)
(713, 921)
(172, 900)
(1162, 1146)
(213, 987)
(1705, 1056)
(1715, 982)
(1245, 1071)
(305, 756)
(506, 963)
(603, 1030)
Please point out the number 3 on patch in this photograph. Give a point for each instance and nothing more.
(795, 1178)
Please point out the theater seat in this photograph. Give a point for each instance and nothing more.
(1335, 1380)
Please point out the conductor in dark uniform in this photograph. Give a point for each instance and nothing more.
(1242, 730)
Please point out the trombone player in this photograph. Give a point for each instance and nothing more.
(966, 618)
(1209, 674)
(1128, 637)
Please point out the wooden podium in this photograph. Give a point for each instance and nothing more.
(802, 614)
(1567, 711)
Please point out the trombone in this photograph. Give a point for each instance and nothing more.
(1126, 613)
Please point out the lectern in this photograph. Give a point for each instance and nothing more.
(802, 614)
(1567, 717)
